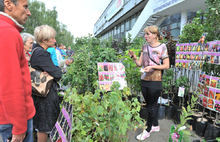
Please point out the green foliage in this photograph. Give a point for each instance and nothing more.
(103, 119)
(168, 79)
(186, 115)
(132, 71)
(192, 31)
(212, 21)
(42, 16)
(183, 81)
(83, 73)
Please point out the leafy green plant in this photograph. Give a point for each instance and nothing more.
(212, 20)
(192, 31)
(183, 81)
(186, 115)
(83, 72)
(106, 118)
(168, 81)
(132, 71)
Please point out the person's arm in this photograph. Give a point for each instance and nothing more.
(12, 93)
(46, 64)
(164, 66)
(133, 56)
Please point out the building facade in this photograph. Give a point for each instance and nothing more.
(122, 17)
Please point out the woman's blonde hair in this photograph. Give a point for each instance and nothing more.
(154, 30)
(43, 32)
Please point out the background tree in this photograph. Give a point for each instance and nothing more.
(42, 16)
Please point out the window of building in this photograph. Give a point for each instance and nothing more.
(122, 27)
(133, 20)
(175, 18)
(118, 29)
(127, 24)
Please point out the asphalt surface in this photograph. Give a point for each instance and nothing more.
(161, 136)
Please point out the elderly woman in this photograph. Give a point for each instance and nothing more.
(151, 85)
(47, 109)
(28, 41)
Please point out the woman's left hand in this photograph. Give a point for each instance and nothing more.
(147, 69)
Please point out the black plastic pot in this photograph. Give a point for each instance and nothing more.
(201, 126)
(177, 112)
(195, 117)
(169, 112)
(212, 132)
(161, 112)
(143, 113)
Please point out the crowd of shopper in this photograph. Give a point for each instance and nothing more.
(20, 111)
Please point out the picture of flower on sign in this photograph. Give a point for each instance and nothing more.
(110, 72)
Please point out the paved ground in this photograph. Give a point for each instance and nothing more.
(161, 136)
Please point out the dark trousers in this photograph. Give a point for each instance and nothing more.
(151, 91)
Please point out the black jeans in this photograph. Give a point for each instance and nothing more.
(151, 91)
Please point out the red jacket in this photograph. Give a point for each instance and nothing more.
(16, 103)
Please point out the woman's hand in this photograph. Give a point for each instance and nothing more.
(132, 55)
(147, 69)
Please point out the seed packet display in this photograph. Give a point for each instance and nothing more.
(181, 56)
(218, 47)
(206, 91)
(217, 94)
(203, 78)
(204, 101)
(200, 65)
(108, 87)
(204, 57)
(194, 48)
(206, 47)
(178, 48)
(191, 65)
(184, 56)
(196, 64)
(188, 55)
(101, 77)
(200, 99)
(199, 48)
(102, 85)
(185, 48)
(187, 64)
(110, 67)
(212, 93)
(210, 103)
(208, 80)
(180, 64)
(218, 83)
(100, 67)
(199, 88)
(217, 106)
(213, 82)
(192, 56)
(190, 48)
(181, 48)
(177, 56)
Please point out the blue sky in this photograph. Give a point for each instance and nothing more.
(79, 15)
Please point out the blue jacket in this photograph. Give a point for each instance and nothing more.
(53, 55)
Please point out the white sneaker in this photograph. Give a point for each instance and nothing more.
(143, 135)
(155, 129)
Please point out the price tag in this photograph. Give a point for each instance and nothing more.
(181, 91)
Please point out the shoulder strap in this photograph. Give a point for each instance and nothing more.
(150, 57)
(29, 62)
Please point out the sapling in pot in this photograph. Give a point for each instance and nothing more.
(168, 82)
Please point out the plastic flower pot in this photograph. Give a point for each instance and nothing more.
(169, 112)
(161, 112)
(212, 132)
(201, 126)
(177, 112)
(196, 115)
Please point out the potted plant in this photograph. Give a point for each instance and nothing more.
(183, 81)
(168, 82)
(103, 119)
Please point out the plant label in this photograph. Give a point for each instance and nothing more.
(181, 92)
